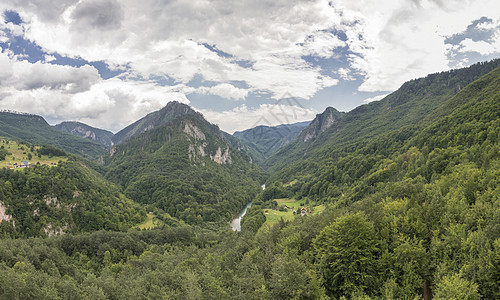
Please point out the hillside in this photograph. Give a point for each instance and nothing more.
(153, 120)
(410, 104)
(266, 140)
(68, 198)
(97, 135)
(186, 167)
(34, 129)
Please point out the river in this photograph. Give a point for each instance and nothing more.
(236, 223)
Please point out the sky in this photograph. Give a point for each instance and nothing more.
(241, 63)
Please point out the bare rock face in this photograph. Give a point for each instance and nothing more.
(112, 151)
(194, 131)
(222, 158)
(3, 215)
(321, 123)
(51, 230)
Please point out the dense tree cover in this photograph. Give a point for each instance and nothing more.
(68, 198)
(50, 151)
(34, 129)
(408, 237)
(164, 167)
(3, 154)
(253, 220)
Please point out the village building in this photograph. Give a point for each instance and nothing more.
(303, 211)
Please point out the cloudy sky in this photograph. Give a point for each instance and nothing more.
(241, 63)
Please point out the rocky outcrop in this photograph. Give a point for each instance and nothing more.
(221, 157)
(193, 131)
(51, 230)
(3, 215)
(321, 123)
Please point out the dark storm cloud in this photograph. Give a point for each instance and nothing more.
(46, 11)
(102, 15)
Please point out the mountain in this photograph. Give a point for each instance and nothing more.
(153, 120)
(265, 140)
(186, 166)
(82, 130)
(410, 104)
(34, 129)
(320, 123)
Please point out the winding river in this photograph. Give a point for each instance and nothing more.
(236, 223)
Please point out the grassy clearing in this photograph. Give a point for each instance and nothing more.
(274, 216)
(291, 182)
(20, 152)
(149, 223)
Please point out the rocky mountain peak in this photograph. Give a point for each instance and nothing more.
(321, 123)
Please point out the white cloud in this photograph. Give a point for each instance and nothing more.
(242, 117)
(22, 75)
(322, 44)
(224, 90)
(70, 93)
(345, 74)
(165, 39)
(376, 98)
(481, 47)
(397, 41)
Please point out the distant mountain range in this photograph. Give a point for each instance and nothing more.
(176, 161)
(34, 129)
(263, 140)
(97, 135)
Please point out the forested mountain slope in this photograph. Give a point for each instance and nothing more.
(68, 198)
(34, 129)
(410, 104)
(416, 209)
(266, 140)
(97, 135)
(338, 157)
(186, 167)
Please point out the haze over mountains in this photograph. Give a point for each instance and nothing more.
(401, 200)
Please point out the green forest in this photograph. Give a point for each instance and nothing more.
(165, 170)
(410, 186)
